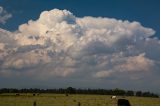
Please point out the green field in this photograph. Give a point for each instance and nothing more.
(71, 100)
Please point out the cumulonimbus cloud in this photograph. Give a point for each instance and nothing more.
(61, 44)
(4, 15)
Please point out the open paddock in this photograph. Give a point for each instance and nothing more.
(28, 99)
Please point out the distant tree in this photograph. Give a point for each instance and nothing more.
(149, 94)
(146, 94)
(118, 92)
(130, 93)
(139, 93)
(154, 95)
(70, 90)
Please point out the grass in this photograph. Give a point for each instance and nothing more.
(71, 100)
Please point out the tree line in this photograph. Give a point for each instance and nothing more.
(71, 90)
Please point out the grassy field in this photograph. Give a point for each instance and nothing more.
(71, 100)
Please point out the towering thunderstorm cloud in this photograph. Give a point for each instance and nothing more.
(58, 44)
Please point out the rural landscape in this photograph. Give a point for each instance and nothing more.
(79, 52)
(75, 97)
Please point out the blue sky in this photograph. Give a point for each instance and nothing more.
(80, 43)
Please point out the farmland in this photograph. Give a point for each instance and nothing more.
(27, 99)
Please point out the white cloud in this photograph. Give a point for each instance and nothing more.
(137, 63)
(121, 65)
(25, 60)
(103, 74)
(60, 44)
(4, 15)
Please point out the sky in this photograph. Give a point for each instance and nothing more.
(80, 43)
